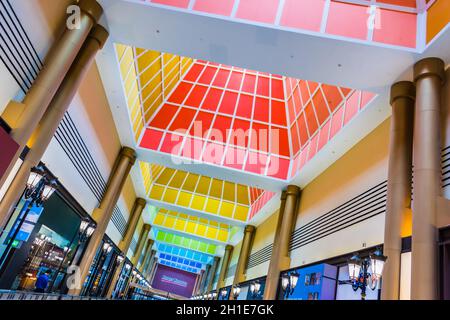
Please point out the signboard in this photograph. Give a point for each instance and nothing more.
(8, 149)
(174, 281)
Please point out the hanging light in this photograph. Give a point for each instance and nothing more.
(252, 288)
(377, 260)
(257, 286)
(120, 259)
(83, 226)
(106, 246)
(236, 291)
(354, 267)
(34, 178)
(127, 266)
(90, 230)
(210, 296)
(293, 279)
(48, 190)
(214, 294)
(224, 293)
(285, 281)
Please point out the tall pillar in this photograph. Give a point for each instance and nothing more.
(145, 254)
(102, 214)
(46, 129)
(246, 248)
(213, 274)
(142, 240)
(280, 259)
(399, 183)
(198, 285)
(57, 63)
(124, 244)
(153, 269)
(224, 268)
(205, 278)
(429, 76)
(148, 263)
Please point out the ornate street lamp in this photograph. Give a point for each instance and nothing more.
(255, 288)
(289, 282)
(359, 275)
(223, 293)
(236, 291)
(39, 188)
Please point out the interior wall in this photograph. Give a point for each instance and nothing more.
(360, 169)
(43, 21)
(264, 237)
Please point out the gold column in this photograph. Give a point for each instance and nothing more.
(26, 115)
(198, 284)
(246, 248)
(429, 76)
(148, 263)
(213, 274)
(102, 214)
(224, 268)
(145, 254)
(205, 278)
(138, 208)
(124, 244)
(280, 259)
(154, 266)
(50, 121)
(142, 240)
(399, 183)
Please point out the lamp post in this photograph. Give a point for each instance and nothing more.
(236, 291)
(288, 283)
(40, 187)
(255, 288)
(358, 270)
(223, 293)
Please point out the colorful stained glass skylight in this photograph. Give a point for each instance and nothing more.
(185, 242)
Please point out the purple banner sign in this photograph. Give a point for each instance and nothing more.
(174, 281)
(8, 148)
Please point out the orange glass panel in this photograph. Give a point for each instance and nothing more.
(164, 116)
(348, 20)
(396, 28)
(303, 14)
(257, 10)
(222, 7)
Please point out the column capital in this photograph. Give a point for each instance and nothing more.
(100, 34)
(216, 259)
(429, 67)
(228, 247)
(92, 8)
(293, 190)
(128, 153)
(141, 202)
(403, 89)
(283, 195)
(249, 228)
(147, 227)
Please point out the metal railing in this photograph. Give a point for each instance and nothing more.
(26, 295)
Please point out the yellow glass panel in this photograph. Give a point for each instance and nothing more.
(120, 50)
(229, 191)
(203, 185)
(216, 189)
(191, 182)
(241, 213)
(212, 206)
(222, 235)
(151, 78)
(178, 179)
(191, 227)
(156, 192)
(180, 224)
(159, 219)
(242, 194)
(198, 203)
(165, 176)
(149, 57)
(184, 199)
(201, 230)
(227, 209)
(170, 221)
(171, 195)
(183, 216)
(211, 233)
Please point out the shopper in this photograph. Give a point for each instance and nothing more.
(42, 282)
